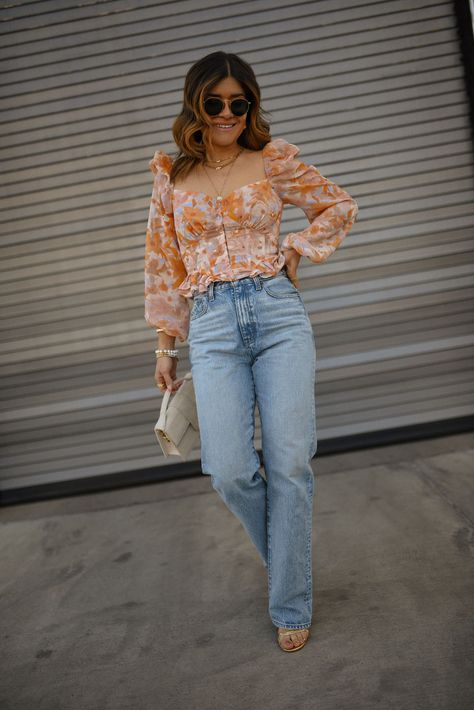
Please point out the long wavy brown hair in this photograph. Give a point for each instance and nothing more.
(190, 129)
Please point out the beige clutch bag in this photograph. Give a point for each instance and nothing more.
(177, 428)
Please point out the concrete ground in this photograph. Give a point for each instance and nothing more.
(153, 598)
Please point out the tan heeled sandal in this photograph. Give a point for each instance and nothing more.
(289, 632)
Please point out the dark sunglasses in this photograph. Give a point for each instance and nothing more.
(214, 106)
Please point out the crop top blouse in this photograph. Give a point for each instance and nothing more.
(193, 238)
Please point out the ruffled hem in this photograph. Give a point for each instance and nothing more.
(199, 283)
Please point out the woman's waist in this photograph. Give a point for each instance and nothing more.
(247, 280)
(224, 276)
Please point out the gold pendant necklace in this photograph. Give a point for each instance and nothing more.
(219, 193)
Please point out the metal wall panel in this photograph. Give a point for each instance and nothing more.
(374, 95)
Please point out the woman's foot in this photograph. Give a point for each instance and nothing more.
(292, 639)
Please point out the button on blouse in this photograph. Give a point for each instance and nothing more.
(193, 238)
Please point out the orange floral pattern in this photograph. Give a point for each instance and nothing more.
(193, 238)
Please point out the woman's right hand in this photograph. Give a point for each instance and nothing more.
(292, 259)
(165, 373)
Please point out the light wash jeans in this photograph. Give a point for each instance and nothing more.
(251, 341)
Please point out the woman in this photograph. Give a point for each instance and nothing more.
(212, 238)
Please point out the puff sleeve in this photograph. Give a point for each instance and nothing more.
(330, 210)
(165, 307)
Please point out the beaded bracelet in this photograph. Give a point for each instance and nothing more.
(162, 352)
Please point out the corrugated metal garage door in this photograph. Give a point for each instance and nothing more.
(372, 92)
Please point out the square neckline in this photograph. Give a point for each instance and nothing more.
(266, 179)
(223, 197)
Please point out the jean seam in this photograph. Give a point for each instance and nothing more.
(269, 547)
(200, 311)
(282, 296)
(309, 522)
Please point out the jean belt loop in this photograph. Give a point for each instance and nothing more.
(258, 282)
(210, 291)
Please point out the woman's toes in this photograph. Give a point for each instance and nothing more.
(299, 637)
(287, 640)
(296, 638)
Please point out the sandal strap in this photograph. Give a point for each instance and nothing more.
(291, 631)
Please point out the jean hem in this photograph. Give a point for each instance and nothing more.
(290, 626)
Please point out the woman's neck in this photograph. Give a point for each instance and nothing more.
(224, 152)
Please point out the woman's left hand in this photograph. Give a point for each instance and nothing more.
(292, 259)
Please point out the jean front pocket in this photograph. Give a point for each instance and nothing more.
(280, 286)
(199, 307)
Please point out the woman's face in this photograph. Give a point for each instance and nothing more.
(228, 88)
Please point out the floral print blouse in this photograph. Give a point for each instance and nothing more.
(193, 238)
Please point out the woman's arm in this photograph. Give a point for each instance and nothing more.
(330, 210)
(165, 307)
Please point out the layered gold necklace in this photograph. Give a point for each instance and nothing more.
(223, 162)
(219, 164)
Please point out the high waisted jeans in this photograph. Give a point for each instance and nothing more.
(251, 341)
